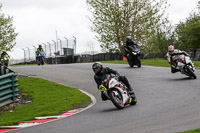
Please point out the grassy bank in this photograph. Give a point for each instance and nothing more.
(23, 65)
(152, 62)
(48, 98)
(193, 131)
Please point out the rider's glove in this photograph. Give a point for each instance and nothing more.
(102, 88)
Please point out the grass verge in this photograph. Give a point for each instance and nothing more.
(23, 65)
(152, 62)
(48, 98)
(192, 131)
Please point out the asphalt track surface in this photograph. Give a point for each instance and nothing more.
(167, 102)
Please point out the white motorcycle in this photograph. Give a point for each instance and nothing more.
(117, 92)
(185, 65)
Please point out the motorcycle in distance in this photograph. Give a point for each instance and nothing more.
(117, 92)
(133, 56)
(40, 60)
(5, 60)
(185, 65)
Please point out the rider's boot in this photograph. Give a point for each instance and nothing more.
(130, 89)
(174, 70)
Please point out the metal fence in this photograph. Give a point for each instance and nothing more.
(55, 48)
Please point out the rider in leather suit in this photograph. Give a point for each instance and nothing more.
(173, 62)
(128, 43)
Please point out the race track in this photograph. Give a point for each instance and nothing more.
(166, 102)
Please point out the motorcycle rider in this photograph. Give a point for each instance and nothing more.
(4, 53)
(100, 71)
(173, 62)
(39, 49)
(129, 42)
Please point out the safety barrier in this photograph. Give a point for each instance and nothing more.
(8, 86)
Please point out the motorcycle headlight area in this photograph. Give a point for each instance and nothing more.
(134, 53)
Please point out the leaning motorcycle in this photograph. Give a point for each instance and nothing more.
(5, 60)
(117, 92)
(185, 65)
(40, 59)
(133, 56)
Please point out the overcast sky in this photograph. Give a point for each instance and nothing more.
(37, 20)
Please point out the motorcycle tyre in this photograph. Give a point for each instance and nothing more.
(139, 64)
(134, 99)
(130, 63)
(42, 61)
(190, 72)
(114, 101)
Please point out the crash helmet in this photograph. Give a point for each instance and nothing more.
(97, 67)
(128, 38)
(171, 49)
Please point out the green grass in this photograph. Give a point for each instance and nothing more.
(22, 65)
(196, 63)
(152, 62)
(193, 131)
(49, 98)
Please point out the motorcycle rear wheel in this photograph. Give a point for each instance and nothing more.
(117, 100)
(190, 72)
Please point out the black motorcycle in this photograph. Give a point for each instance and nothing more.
(133, 56)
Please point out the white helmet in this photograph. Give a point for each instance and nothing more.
(171, 49)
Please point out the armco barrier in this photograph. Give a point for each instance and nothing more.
(8, 86)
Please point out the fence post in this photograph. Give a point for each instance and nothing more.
(49, 47)
(24, 55)
(67, 45)
(74, 44)
(28, 53)
(60, 46)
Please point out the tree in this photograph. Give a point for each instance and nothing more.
(114, 20)
(7, 32)
(187, 32)
(162, 39)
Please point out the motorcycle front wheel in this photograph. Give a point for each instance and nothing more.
(133, 99)
(139, 62)
(130, 62)
(116, 98)
(42, 60)
(190, 72)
